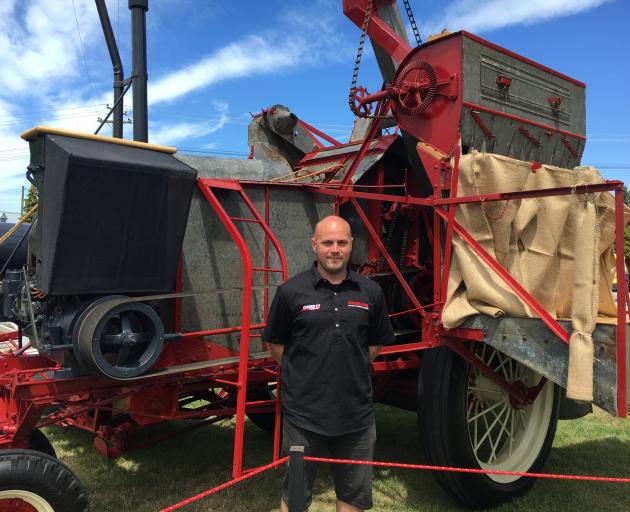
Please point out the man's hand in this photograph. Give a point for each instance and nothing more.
(374, 351)
(277, 350)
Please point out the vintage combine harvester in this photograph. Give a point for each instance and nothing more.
(149, 273)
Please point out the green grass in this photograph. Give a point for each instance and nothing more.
(153, 478)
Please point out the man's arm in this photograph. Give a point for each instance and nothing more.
(373, 351)
(277, 350)
(381, 332)
(278, 329)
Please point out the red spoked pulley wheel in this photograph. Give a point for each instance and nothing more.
(415, 85)
(359, 108)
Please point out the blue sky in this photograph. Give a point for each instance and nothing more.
(213, 63)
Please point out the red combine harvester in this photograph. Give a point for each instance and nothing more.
(149, 274)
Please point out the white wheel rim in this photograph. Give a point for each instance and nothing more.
(32, 499)
(502, 437)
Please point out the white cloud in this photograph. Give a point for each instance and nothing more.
(39, 42)
(13, 161)
(174, 133)
(251, 55)
(477, 16)
(309, 35)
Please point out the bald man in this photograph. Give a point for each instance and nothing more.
(325, 327)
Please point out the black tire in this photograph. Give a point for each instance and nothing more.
(39, 442)
(453, 393)
(41, 481)
(263, 420)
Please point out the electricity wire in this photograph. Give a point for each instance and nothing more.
(87, 71)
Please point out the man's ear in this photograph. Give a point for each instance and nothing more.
(313, 244)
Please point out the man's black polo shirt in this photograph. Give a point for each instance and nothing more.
(326, 330)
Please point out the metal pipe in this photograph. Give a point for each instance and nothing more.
(139, 74)
(117, 65)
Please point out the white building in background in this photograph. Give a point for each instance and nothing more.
(12, 217)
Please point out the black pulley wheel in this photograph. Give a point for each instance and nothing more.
(33, 481)
(468, 421)
(118, 338)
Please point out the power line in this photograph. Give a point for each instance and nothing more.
(87, 71)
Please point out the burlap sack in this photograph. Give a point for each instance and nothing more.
(560, 248)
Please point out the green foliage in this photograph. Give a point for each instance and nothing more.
(30, 201)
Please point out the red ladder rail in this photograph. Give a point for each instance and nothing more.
(206, 185)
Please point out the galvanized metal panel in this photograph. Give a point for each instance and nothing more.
(528, 95)
(528, 98)
(211, 260)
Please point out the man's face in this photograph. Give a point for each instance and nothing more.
(332, 244)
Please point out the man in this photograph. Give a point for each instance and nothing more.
(325, 327)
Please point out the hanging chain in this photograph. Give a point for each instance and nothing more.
(357, 61)
(412, 21)
(352, 95)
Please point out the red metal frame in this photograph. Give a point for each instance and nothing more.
(311, 130)
(29, 383)
(553, 129)
(206, 186)
(622, 306)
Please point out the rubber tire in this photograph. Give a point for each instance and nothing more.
(265, 421)
(45, 476)
(443, 384)
(38, 442)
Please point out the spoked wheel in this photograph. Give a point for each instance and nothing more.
(264, 420)
(468, 421)
(34, 482)
(416, 83)
(117, 338)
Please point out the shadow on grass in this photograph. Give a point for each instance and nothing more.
(155, 477)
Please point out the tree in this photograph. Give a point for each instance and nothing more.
(30, 201)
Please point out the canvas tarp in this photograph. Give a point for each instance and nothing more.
(560, 248)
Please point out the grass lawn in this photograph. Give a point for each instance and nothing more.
(153, 478)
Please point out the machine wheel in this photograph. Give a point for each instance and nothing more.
(416, 83)
(468, 421)
(263, 420)
(39, 442)
(118, 338)
(34, 482)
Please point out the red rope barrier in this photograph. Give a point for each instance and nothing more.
(469, 470)
(399, 465)
(224, 485)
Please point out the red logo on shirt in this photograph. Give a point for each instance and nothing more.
(357, 304)
(310, 307)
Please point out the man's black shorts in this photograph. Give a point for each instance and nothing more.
(353, 483)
